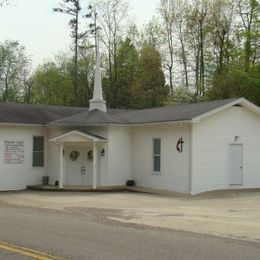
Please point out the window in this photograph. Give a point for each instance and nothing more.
(38, 151)
(157, 155)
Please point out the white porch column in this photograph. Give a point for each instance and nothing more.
(95, 166)
(61, 166)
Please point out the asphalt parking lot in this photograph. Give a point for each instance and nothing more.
(231, 214)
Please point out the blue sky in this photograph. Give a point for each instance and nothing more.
(44, 32)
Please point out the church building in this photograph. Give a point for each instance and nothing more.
(189, 148)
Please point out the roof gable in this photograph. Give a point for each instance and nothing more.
(241, 101)
(77, 136)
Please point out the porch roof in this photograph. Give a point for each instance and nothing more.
(77, 136)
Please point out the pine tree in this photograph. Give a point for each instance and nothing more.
(150, 89)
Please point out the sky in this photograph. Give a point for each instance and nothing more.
(44, 32)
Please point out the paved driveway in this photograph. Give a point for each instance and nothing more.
(83, 233)
(234, 214)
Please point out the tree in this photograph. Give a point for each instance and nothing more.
(167, 11)
(14, 70)
(236, 82)
(199, 20)
(127, 60)
(174, 26)
(4, 2)
(112, 17)
(181, 95)
(150, 89)
(220, 26)
(73, 8)
(86, 67)
(232, 37)
(249, 11)
(152, 34)
(51, 83)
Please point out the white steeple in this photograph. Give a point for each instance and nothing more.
(97, 102)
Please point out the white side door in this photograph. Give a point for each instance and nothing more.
(235, 164)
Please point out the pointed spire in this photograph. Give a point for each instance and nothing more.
(97, 102)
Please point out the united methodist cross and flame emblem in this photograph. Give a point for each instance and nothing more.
(179, 145)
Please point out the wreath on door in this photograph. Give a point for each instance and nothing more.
(74, 155)
(90, 155)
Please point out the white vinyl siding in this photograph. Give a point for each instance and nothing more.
(119, 155)
(211, 141)
(18, 176)
(175, 166)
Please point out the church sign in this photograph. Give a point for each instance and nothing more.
(14, 152)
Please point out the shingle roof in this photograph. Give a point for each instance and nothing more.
(151, 115)
(94, 117)
(173, 113)
(35, 114)
(55, 115)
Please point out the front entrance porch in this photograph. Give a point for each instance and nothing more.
(79, 159)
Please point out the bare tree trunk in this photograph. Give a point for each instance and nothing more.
(197, 71)
(184, 58)
(6, 89)
(247, 17)
(170, 45)
(75, 73)
(115, 72)
(202, 67)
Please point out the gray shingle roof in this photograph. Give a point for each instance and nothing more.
(35, 114)
(55, 115)
(173, 113)
(151, 115)
(94, 117)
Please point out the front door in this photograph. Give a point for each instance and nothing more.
(79, 167)
(236, 168)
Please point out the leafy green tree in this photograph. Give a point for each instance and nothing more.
(150, 89)
(249, 12)
(51, 85)
(73, 8)
(14, 70)
(52, 81)
(120, 94)
(236, 72)
(236, 82)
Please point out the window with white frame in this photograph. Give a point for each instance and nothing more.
(157, 155)
(38, 151)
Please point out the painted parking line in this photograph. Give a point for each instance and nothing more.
(27, 252)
